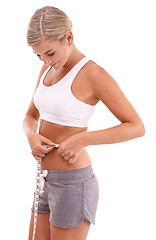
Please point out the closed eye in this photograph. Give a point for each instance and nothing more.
(50, 54)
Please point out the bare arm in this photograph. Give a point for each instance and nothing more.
(104, 88)
(30, 126)
(30, 122)
(108, 91)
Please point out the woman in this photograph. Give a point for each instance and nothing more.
(68, 88)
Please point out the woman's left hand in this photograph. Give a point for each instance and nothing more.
(71, 148)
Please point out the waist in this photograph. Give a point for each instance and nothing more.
(54, 161)
(69, 175)
(57, 134)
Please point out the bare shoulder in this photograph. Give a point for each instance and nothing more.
(43, 69)
(96, 72)
(107, 90)
(99, 78)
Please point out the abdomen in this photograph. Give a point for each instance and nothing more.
(57, 134)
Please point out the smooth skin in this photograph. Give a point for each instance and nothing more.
(46, 231)
(91, 85)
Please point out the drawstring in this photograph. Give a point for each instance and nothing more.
(42, 180)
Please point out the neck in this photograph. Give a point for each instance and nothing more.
(74, 57)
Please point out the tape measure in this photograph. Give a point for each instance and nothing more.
(37, 191)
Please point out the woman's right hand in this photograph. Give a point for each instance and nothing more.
(38, 145)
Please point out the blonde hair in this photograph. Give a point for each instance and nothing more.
(48, 22)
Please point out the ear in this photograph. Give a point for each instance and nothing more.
(69, 37)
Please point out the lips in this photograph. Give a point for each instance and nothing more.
(52, 65)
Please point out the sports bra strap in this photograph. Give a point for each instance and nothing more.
(74, 71)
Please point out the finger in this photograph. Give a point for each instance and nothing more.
(36, 157)
(66, 158)
(72, 160)
(60, 150)
(38, 153)
(63, 154)
(41, 155)
(46, 141)
(46, 148)
(52, 145)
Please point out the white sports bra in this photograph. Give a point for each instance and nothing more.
(57, 104)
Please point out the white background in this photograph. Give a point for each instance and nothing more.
(120, 37)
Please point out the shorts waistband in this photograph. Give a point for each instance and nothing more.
(69, 175)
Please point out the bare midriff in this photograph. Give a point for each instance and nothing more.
(57, 134)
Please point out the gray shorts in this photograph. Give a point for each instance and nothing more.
(69, 196)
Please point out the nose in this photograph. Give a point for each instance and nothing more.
(46, 61)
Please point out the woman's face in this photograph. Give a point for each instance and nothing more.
(53, 53)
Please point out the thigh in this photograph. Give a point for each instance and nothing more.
(42, 228)
(76, 233)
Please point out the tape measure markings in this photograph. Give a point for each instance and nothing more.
(37, 191)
